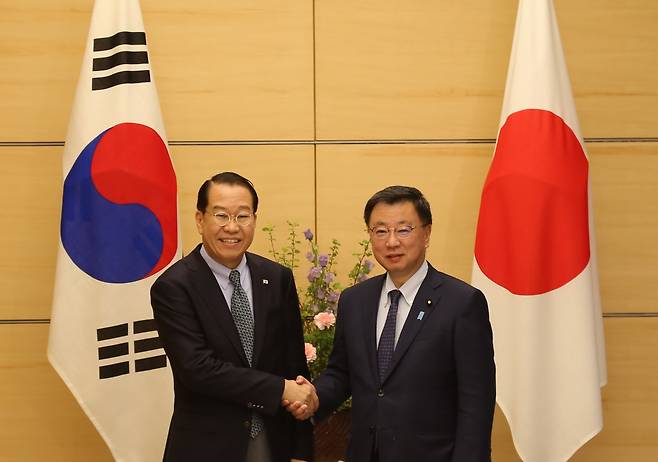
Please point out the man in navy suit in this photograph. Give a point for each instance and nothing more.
(230, 324)
(413, 347)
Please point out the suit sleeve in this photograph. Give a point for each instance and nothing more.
(476, 381)
(302, 434)
(193, 361)
(333, 385)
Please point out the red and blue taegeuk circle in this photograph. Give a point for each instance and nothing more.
(119, 218)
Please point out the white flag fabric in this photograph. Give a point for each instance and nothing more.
(535, 256)
(119, 229)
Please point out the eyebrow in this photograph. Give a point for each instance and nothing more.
(401, 222)
(241, 208)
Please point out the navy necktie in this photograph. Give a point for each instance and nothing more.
(387, 339)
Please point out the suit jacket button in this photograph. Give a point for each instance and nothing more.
(380, 393)
(247, 424)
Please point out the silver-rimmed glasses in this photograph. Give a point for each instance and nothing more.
(242, 218)
(382, 232)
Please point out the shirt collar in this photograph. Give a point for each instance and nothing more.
(223, 271)
(410, 288)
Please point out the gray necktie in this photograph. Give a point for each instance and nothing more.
(387, 338)
(245, 324)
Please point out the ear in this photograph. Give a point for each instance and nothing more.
(428, 232)
(198, 218)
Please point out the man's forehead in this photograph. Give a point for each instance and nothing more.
(220, 206)
(398, 212)
(229, 196)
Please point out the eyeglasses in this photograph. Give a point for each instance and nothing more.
(382, 232)
(242, 218)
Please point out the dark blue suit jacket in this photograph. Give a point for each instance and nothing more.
(215, 389)
(437, 401)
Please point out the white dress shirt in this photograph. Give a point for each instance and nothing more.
(221, 273)
(409, 290)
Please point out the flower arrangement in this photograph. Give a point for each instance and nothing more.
(318, 302)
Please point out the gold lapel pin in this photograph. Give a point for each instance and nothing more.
(266, 282)
(429, 302)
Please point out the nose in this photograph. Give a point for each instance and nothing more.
(392, 239)
(232, 226)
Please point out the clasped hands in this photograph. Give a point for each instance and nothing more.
(300, 398)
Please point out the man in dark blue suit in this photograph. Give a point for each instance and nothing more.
(413, 347)
(229, 321)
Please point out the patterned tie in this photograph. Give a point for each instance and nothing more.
(387, 338)
(245, 324)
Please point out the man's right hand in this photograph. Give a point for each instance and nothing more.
(299, 398)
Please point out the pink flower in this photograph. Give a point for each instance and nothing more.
(310, 352)
(324, 320)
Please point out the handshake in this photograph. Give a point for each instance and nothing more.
(300, 398)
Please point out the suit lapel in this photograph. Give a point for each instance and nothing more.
(371, 306)
(210, 292)
(259, 288)
(425, 302)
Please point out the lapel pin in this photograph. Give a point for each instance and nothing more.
(429, 302)
(420, 315)
(266, 282)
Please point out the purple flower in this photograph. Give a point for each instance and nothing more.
(362, 278)
(332, 297)
(369, 265)
(310, 256)
(323, 260)
(320, 294)
(308, 234)
(329, 277)
(314, 273)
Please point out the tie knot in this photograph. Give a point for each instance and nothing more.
(234, 277)
(394, 295)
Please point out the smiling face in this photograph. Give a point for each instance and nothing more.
(400, 257)
(226, 244)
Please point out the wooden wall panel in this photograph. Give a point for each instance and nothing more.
(41, 46)
(224, 70)
(31, 180)
(611, 49)
(625, 196)
(403, 70)
(40, 418)
(38, 408)
(235, 69)
(413, 70)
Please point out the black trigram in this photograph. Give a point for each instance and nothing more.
(133, 58)
(121, 350)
